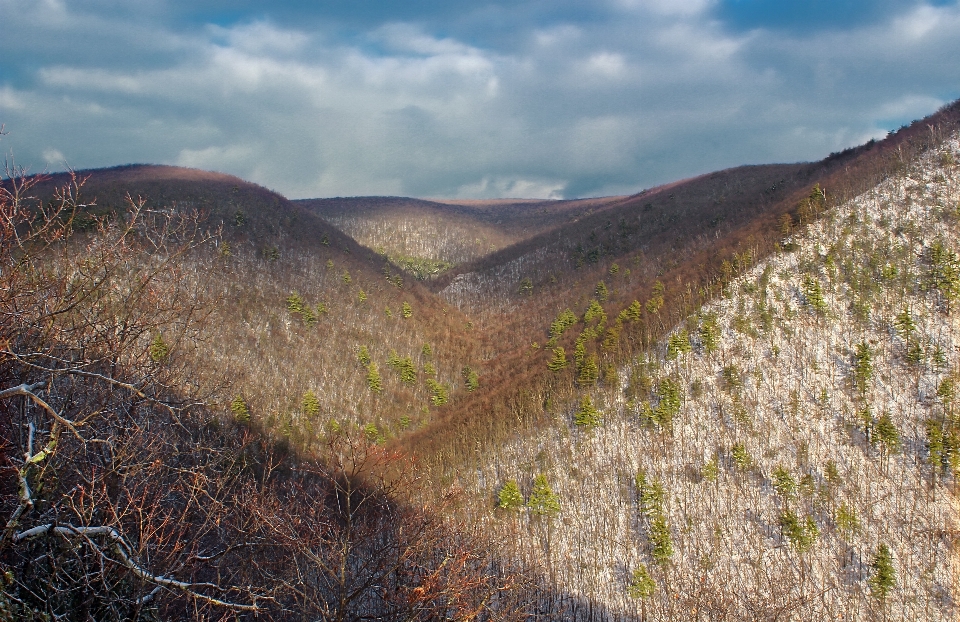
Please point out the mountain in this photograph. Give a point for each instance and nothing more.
(297, 303)
(430, 237)
(753, 464)
(621, 406)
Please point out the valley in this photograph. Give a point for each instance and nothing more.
(731, 397)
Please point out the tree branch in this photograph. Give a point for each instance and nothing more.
(122, 548)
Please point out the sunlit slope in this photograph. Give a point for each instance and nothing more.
(784, 444)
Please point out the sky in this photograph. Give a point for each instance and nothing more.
(465, 99)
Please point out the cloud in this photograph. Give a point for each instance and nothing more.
(53, 157)
(634, 94)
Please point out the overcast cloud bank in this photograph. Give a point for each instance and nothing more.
(520, 100)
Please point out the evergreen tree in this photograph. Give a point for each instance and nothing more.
(406, 310)
(847, 521)
(587, 416)
(294, 303)
(660, 539)
(363, 355)
(310, 404)
(862, 367)
(239, 409)
(655, 303)
(904, 324)
(650, 494)
(671, 399)
(441, 394)
(800, 533)
(741, 458)
(679, 343)
(510, 497)
(565, 320)
(884, 575)
(543, 501)
(710, 333)
(373, 378)
(602, 292)
(526, 286)
(784, 483)
(470, 379)
(589, 372)
(641, 584)
(159, 350)
(813, 292)
(559, 360)
(426, 350)
(594, 312)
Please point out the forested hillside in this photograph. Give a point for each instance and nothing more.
(789, 452)
(729, 397)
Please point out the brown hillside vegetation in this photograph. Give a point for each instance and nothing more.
(126, 497)
(430, 236)
(692, 237)
(303, 312)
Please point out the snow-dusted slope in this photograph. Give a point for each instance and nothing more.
(774, 423)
